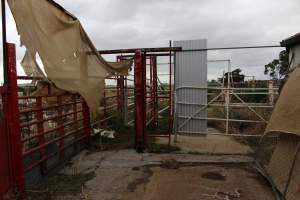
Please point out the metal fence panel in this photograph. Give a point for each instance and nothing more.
(190, 78)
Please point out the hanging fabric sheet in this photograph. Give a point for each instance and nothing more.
(69, 57)
(286, 115)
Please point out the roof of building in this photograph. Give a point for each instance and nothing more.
(291, 41)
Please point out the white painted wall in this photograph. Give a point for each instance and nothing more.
(296, 61)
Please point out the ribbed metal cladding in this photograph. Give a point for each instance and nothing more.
(190, 88)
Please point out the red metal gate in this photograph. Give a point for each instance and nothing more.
(5, 183)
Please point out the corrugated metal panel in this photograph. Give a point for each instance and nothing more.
(190, 77)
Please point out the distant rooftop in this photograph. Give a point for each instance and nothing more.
(291, 41)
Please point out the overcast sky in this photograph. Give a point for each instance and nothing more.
(152, 23)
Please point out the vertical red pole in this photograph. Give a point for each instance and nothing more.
(170, 96)
(40, 130)
(144, 78)
(13, 122)
(139, 86)
(154, 62)
(152, 92)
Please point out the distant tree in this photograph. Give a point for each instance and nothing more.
(236, 77)
(278, 68)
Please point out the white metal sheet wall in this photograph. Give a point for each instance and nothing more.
(191, 88)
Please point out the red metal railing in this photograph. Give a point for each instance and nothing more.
(147, 99)
(39, 131)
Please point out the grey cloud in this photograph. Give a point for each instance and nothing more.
(136, 23)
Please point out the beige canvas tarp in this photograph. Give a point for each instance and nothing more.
(30, 66)
(70, 59)
(286, 115)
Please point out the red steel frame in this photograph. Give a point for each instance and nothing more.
(146, 101)
(139, 82)
(146, 106)
(11, 130)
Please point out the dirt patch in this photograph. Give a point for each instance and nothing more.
(206, 182)
(143, 180)
(217, 176)
(170, 164)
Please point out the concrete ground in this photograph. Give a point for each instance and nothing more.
(210, 144)
(126, 175)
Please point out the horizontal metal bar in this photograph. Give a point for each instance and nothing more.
(51, 130)
(128, 79)
(111, 97)
(35, 164)
(68, 134)
(222, 134)
(179, 49)
(144, 50)
(254, 93)
(47, 96)
(158, 97)
(223, 88)
(29, 78)
(233, 48)
(221, 119)
(230, 105)
(158, 136)
(27, 110)
(31, 123)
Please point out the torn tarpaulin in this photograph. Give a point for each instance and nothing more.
(69, 57)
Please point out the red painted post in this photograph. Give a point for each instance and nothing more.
(170, 95)
(154, 62)
(144, 78)
(40, 130)
(139, 86)
(151, 92)
(13, 123)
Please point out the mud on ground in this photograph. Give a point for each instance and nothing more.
(126, 175)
